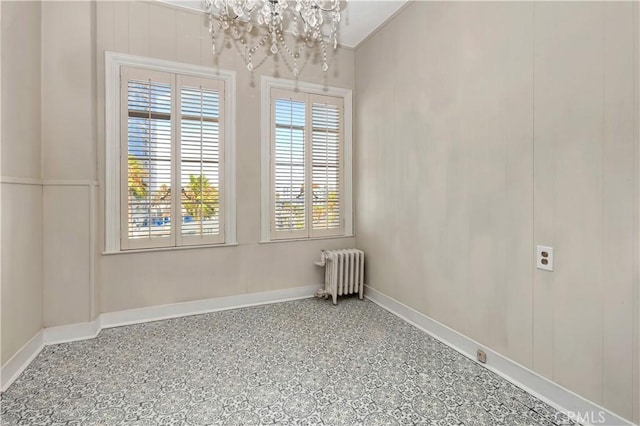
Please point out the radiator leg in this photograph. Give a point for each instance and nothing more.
(361, 293)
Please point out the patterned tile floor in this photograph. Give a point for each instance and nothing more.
(304, 362)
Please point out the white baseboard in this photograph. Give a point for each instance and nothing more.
(71, 332)
(175, 310)
(542, 388)
(20, 360)
(88, 330)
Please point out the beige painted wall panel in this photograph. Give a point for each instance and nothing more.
(21, 265)
(505, 117)
(146, 279)
(69, 153)
(404, 123)
(481, 88)
(517, 119)
(156, 278)
(163, 37)
(68, 78)
(226, 58)
(636, 214)
(577, 131)
(447, 136)
(372, 91)
(20, 38)
(387, 208)
(248, 151)
(66, 273)
(121, 18)
(545, 103)
(269, 266)
(21, 269)
(105, 20)
(139, 25)
(188, 37)
(106, 38)
(366, 158)
(430, 163)
(618, 193)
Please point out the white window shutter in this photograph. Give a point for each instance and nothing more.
(200, 153)
(288, 165)
(307, 176)
(327, 165)
(172, 162)
(146, 159)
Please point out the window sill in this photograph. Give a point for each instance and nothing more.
(151, 250)
(291, 240)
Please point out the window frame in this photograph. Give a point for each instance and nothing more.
(268, 233)
(114, 62)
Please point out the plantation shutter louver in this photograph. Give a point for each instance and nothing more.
(147, 159)
(289, 154)
(307, 138)
(326, 173)
(200, 160)
(171, 159)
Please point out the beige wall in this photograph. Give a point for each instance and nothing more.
(76, 35)
(56, 247)
(21, 200)
(483, 129)
(69, 159)
(506, 125)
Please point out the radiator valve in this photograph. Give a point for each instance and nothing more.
(323, 259)
(322, 294)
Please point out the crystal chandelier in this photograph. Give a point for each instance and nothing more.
(312, 24)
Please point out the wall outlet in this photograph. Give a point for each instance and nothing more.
(544, 258)
(481, 356)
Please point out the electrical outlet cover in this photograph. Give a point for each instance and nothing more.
(544, 258)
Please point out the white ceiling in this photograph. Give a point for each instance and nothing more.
(362, 17)
(359, 18)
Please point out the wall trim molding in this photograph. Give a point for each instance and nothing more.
(542, 388)
(89, 330)
(71, 332)
(204, 306)
(69, 182)
(20, 180)
(20, 360)
(16, 180)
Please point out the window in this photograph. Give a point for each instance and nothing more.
(171, 179)
(308, 145)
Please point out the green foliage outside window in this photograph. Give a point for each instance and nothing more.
(138, 178)
(200, 198)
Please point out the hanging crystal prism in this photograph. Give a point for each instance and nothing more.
(319, 26)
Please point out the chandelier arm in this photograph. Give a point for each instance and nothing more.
(237, 17)
(238, 34)
(295, 69)
(335, 6)
(243, 55)
(331, 36)
(313, 42)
